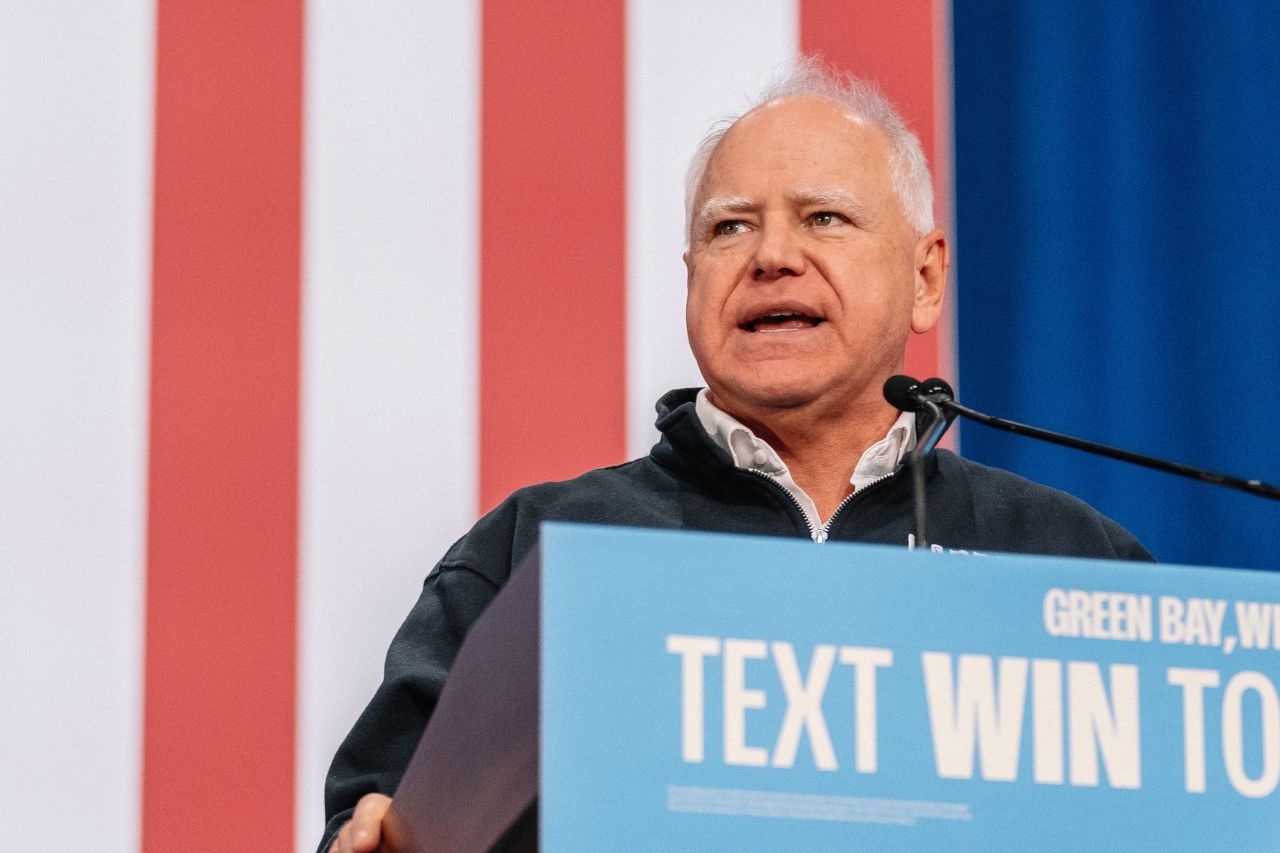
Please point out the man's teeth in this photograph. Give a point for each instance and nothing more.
(783, 322)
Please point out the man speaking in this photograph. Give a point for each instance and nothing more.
(812, 256)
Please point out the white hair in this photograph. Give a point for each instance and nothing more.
(809, 76)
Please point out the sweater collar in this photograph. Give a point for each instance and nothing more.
(686, 444)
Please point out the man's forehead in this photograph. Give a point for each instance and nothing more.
(791, 144)
(813, 132)
(816, 114)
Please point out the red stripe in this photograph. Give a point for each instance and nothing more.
(552, 265)
(218, 766)
(901, 45)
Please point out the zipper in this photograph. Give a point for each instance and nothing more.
(819, 534)
(813, 532)
(826, 528)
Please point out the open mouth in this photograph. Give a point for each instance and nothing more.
(781, 322)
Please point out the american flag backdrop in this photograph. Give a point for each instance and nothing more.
(290, 292)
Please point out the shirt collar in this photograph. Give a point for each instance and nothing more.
(751, 452)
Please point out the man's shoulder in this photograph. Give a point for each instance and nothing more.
(1033, 517)
(638, 492)
(599, 492)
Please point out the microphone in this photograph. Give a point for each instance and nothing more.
(913, 394)
(900, 392)
(937, 388)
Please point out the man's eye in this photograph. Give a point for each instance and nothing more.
(729, 226)
(825, 219)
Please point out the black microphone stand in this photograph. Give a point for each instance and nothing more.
(909, 395)
(919, 454)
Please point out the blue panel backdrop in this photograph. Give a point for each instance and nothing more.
(1118, 236)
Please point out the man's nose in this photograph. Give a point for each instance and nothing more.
(779, 254)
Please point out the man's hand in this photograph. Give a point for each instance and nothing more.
(363, 833)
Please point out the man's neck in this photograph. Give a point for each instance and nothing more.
(820, 447)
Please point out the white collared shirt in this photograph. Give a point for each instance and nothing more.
(754, 454)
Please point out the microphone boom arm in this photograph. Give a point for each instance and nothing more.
(1253, 487)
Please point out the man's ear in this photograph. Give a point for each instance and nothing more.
(932, 260)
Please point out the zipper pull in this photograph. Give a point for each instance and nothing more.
(820, 536)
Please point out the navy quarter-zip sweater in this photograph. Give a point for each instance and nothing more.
(686, 482)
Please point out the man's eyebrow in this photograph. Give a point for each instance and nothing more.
(714, 208)
(836, 197)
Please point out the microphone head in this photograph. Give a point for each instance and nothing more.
(900, 391)
(934, 385)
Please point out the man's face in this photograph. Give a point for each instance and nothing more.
(804, 276)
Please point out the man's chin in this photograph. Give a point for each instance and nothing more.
(766, 396)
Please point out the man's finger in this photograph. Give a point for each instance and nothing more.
(365, 826)
(342, 841)
(363, 833)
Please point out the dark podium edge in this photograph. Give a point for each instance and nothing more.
(472, 784)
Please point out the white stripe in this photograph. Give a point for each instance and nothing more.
(390, 281)
(75, 235)
(688, 65)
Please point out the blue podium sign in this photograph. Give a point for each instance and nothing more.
(711, 692)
